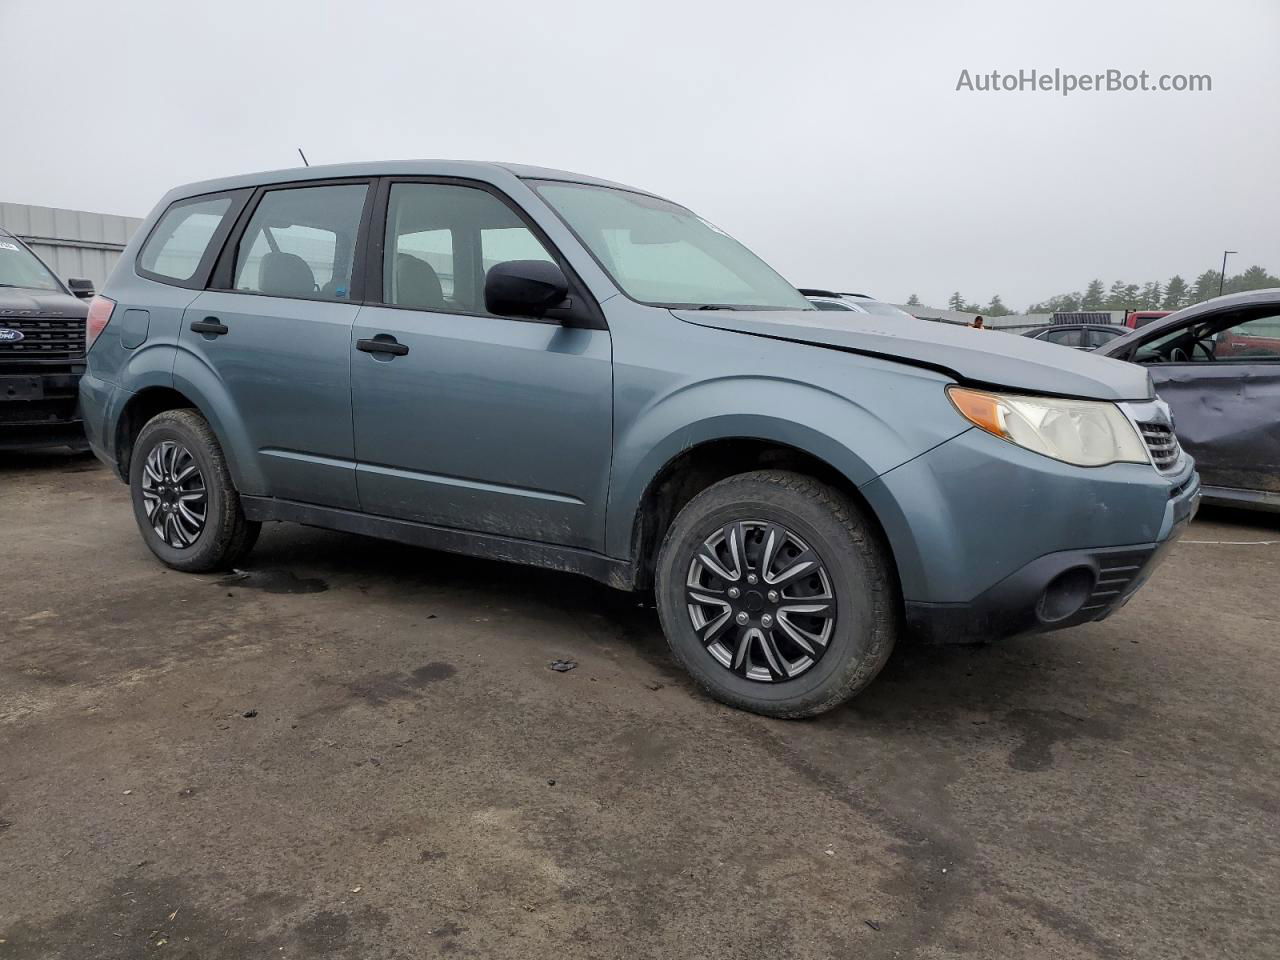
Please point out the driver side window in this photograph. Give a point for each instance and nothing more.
(442, 239)
(1250, 339)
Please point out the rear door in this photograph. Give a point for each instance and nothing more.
(276, 334)
(1220, 376)
(478, 422)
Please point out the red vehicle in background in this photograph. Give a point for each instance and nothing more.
(1140, 318)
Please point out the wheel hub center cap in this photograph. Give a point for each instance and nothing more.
(753, 601)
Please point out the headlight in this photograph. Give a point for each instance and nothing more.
(1088, 433)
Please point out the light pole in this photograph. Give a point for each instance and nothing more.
(1222, 277)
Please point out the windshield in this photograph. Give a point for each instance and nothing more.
(659, 253)
(20, 268)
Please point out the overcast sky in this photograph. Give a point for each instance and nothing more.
(828, 136)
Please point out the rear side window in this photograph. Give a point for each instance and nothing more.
(301, 241)
(181, 238)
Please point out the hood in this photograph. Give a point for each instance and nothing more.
(22, 303)
(979, 357)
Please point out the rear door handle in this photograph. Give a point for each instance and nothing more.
(383, 343)
(210, 325)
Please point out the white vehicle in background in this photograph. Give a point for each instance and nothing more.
(853, 302)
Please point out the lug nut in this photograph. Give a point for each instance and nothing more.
(751, 578)
(733, 593)
(742, 618)
(773, 596)
(766, 621)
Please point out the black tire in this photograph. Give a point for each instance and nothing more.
(226, 535)
(858, 566)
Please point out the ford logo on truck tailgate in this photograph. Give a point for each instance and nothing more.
(8, 335)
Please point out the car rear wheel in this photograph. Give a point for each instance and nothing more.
(186, 506)
(776, 594)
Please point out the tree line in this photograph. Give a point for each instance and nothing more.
(1173, 294)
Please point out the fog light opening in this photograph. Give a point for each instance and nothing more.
(1065, 595)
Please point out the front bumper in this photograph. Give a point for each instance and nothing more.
(980, 528)
(1061, 589)
(38, 406)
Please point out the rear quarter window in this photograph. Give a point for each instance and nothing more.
(181, 238)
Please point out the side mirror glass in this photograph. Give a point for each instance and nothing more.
(524, 288)
(81, 288)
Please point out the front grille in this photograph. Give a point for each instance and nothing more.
(43, 338)
(1162, 445)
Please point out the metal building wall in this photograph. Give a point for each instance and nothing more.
(73, 243)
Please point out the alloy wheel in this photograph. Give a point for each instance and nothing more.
(174, 494)
(761, 601)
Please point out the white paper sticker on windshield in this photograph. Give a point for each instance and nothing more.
(6, 245)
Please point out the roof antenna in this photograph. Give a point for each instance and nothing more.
(304, 157)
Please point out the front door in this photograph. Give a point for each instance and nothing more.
(475, 422)
(279, 341)
(1220, 375)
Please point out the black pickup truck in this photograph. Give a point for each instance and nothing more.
(42, 323)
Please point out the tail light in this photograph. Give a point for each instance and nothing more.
(99, 313)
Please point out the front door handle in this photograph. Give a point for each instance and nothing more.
(211, 325)
(383, 343)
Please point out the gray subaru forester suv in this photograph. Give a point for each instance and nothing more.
(551, 369)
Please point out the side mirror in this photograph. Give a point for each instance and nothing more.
(81, 288)
(524, 288)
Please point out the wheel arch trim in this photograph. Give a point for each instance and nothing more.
(632, 522)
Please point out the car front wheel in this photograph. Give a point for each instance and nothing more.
(776, 594)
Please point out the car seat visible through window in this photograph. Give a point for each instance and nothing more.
(286, 275)
(417, 284)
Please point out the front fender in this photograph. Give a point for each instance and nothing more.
(854, 439)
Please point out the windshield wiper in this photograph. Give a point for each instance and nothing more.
(733, 307)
